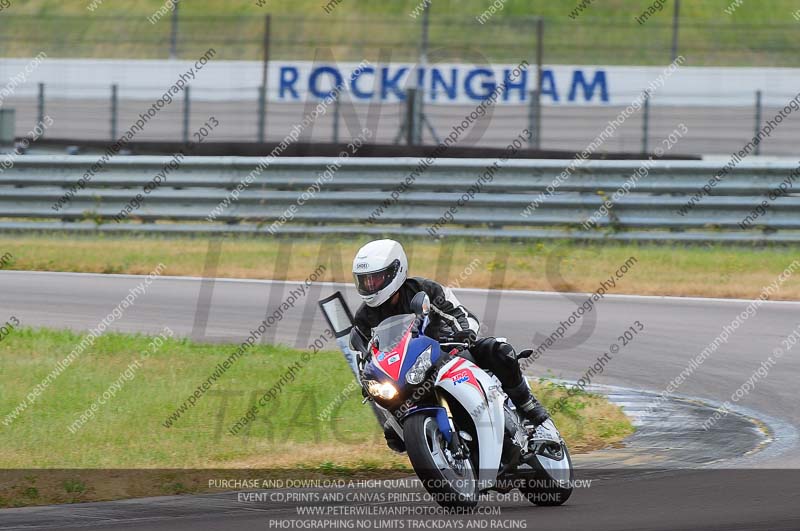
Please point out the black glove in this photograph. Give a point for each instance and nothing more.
(465, 336)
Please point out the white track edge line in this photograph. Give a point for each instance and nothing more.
(620, 296)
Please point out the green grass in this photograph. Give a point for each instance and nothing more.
(757, 33)
(128, 430)
(739, 271)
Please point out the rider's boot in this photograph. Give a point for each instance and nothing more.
(526, 403)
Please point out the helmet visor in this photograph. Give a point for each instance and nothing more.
(374, 281)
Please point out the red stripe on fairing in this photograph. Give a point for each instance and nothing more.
(455, 372)
(393, 370)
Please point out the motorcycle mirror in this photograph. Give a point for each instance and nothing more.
(357, 341)
(421, 304)
(337, 313)
(525, 354)
(373, 343)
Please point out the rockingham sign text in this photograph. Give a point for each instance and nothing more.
(462, 84)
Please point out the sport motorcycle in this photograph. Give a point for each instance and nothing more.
(462, 433)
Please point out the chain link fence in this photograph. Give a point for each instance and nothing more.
(716, 126)
(352, 37)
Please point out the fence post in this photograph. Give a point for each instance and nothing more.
(411, 116)
(536, 132)
(758, 120)
(262, 97)
(675, 27)
(114, 110)
(7, 126)
(422, 65)
(646, 122)
(261, 114)
(336, 117)
(186, 111)
(534, 118)
(40, 104)
(173, 37)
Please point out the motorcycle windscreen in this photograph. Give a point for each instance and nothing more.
(390, 344)
(392, 330)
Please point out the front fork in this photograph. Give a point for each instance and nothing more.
(454, 443)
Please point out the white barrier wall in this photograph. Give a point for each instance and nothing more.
(294, 81)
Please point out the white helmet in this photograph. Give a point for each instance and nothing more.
(379, 269)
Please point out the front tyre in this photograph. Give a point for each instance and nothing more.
(450, 480)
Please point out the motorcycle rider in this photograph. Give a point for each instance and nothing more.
(380, 271)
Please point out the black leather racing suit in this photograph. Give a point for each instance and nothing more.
(446, 318)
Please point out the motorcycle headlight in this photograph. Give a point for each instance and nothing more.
(417, 371)
(384, 390)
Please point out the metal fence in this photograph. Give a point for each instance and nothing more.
(712, 129)
(352, 33)
(304, 196)
(715, 127)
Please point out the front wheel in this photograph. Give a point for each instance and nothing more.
(450, 480)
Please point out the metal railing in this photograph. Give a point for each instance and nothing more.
(718, 123)
(716, 128)
(366, 196)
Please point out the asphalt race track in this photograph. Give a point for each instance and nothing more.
(758, 491)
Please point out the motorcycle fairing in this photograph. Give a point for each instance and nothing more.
(380, 369)
(459, 373)
(469, 385)
(391, 362)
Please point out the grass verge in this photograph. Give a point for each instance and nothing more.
(679, 270)
(127, 433)
(715, 32)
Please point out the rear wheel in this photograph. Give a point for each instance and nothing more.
(450, 479)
